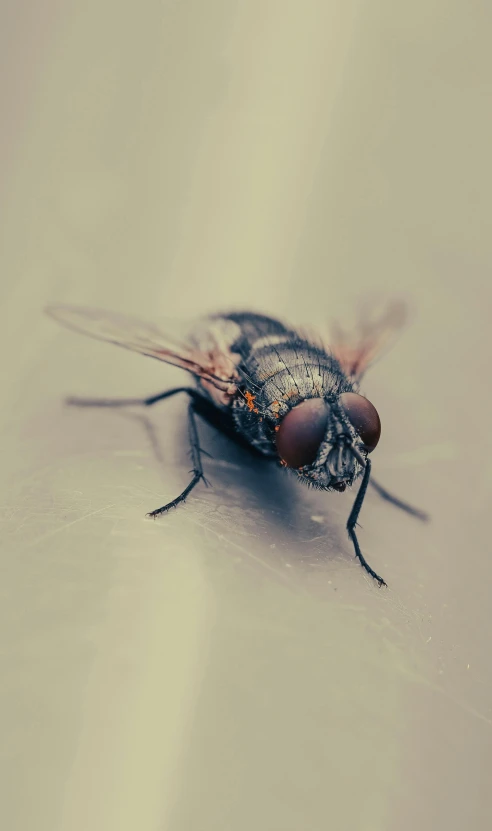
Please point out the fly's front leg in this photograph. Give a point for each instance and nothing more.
(197, 471)
(352, 522)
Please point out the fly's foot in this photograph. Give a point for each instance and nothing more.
(197, 475)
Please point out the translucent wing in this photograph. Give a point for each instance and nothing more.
(215, 367)
(375, 331)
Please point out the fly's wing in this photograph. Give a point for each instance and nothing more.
(148, 339)
(377, 323)
(376, 329)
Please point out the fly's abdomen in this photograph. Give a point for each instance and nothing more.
(253, 330)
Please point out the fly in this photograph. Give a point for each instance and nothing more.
(271, 388)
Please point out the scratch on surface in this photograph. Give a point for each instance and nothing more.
(418, 678)
(245, 551)
(138, 454)
(69, 525)
(466, 707)
(136, 490)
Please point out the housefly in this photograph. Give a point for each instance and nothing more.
(279, 391)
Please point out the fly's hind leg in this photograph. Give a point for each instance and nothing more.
(398, 503)
(197, 470)
(128, 402)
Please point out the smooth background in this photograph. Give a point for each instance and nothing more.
(231, 666)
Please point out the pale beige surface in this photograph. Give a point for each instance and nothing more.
(231, 667)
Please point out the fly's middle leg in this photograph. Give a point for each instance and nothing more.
(195, 449)
(197, 470)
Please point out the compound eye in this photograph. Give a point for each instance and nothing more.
(363, 417)
(301, 432)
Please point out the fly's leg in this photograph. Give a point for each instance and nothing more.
(195, 449)
(129, 402)
(352, 522)
(398, 503)
(197, 471)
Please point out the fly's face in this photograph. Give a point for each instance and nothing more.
(326, 440)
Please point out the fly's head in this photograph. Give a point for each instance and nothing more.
(326, 440)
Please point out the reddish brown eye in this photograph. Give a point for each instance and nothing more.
(363, 417)
(301, 432)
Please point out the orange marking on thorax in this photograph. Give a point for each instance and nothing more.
(250, 399)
